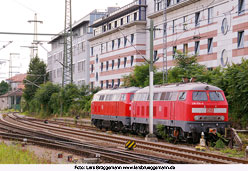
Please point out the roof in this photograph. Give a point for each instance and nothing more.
(17, 78)
(178, 87)
(118, 91)
(13, 93)
(119, 12)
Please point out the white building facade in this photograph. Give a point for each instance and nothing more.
(214, 30)
(118, 44)
(81, 33)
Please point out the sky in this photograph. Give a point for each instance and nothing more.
(14, 16)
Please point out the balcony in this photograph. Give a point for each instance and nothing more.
(120, 12)
(171, 8)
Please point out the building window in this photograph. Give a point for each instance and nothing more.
(119, 82)
(101, 84)
(210, 15)
(135, 16)
(174, 52)
(241, 6)
(97, 76)
(107, 84)
(173, 26)
(125, 62)
(101, 48)
(128, 18)
(102, 66)
(158, 5)
(104, 28)
(119, 43)
(106, 46)
(185, 48)
(184, 23)
(132, 58)
(121, 21)
(92, 51)
(109, 26)
(169, 2)
(155, 55)
(113, 44)
(210, 45)
(73, 68)
(119, 63)
(132, 38)
(240, 39)
(92, 68)
(116, 24)
(113, 83)
(197, 47)
(113, 64)
(125, 41)
(197, 19)
(97, 59)
(107, 65)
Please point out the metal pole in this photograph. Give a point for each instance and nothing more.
(151, 79)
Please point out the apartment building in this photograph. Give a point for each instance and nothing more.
(118, 44)
(214, 30)
(81, 33)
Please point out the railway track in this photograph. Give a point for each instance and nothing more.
(159, 148)
(44, 138)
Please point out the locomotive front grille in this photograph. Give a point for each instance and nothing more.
(209, 118)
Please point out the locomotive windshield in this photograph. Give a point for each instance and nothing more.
(200, 96)
(216, 96)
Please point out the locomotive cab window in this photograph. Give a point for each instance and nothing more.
(116, 97)
(131, 97)
(101, 98)
(123, 97)
(200, 96)
(109, 97)
(156, 96)
(182, 96)
(216, 96)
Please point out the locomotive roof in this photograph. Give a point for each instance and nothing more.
(119, 90)
(180, 87)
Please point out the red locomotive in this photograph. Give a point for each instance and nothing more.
(185, 109)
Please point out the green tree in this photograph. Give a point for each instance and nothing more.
(236, 89)
(36, 76)
(4, 87)
(186, 67)
(42, 98)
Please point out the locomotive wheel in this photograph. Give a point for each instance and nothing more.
(195, 137)
(135, 128)
(99, 124)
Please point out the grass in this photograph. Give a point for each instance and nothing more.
(244, 138)
(233, 152)
(17, 155)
